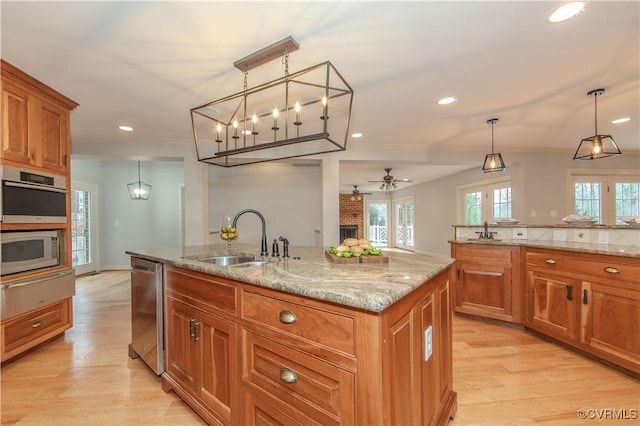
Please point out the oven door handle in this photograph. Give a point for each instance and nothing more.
(38, 187)
(36, 280)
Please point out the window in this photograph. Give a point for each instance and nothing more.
(484, 202)
(607, 197)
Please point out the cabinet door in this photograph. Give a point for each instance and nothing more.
(218, 364)
(484, 289)
(52, 132)
(553, 304)
(611, 322)
(182, 346)
(15, 123)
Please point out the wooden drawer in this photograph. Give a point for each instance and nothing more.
(596, 266)
(317, 389)
(28, 330)
(320, 326)
(201, 290)
(487, 252)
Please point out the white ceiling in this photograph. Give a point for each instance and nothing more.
(147, 63)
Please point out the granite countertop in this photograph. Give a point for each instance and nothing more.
(371, 287)
(606, 249)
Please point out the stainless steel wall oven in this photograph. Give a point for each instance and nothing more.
(29, 197)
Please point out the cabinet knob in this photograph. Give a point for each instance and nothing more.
(288, 376)
(612, 270)
(550, 262)
(287, 317)
(36, 324)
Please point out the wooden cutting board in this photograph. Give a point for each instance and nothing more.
(362, 259)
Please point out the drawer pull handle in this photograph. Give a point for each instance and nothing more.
(288, 317)
(288, 376)
(36, 324)
(612, 270)
(550, 262)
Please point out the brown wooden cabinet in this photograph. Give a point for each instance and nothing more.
(591, 302)
(484, 281)
(302, 361)
(35, 123)
(35, 135)
(35, 327)
(201, 349)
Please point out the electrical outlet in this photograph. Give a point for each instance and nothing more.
(553, 213)
(428, 343)
(559, 235)
(581, 236)
(519, 234)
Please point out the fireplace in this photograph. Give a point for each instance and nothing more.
(348, 231)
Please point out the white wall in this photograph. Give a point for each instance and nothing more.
(124, 223)
(539, 183)
(289, 196)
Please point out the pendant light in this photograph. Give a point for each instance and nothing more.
(597, 146)
(492, 162)
(139, 190)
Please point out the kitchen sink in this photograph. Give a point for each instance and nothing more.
(226, 260)
(484, 240)
(251, 263)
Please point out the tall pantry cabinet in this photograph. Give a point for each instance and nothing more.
(35, 123)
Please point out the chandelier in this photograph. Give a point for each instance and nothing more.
(139, 190)
(597, 146)
(300, 114)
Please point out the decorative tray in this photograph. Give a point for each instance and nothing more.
(506, 221)
(361, 259)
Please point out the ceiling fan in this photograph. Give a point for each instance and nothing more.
(388, 181)
(357, 195)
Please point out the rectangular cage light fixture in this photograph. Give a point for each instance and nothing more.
(300, 114)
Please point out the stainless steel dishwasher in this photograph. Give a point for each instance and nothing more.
(147, 332)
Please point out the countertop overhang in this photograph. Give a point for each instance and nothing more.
(605, 249)
(369, 286)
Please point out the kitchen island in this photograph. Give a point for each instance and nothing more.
(305, 341)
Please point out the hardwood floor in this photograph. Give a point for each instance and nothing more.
(503, 376)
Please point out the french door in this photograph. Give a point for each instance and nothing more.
(404, 220)
(84, 230)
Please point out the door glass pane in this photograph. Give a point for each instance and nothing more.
(400, 240)
(473, 208)
(80, 236)
(410, 221)
(502, 202)
(378, 222)
(587, 195)
(626, 200)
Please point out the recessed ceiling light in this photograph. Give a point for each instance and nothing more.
(356, 135)
(621, 120)
(448, 100)
(567, 11)
(126, 128)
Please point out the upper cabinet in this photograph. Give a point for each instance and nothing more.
(35, 123)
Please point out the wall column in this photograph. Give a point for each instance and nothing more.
(330, 200)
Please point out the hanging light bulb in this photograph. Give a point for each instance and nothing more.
(597, 146)
(493, 162)
(139, 190)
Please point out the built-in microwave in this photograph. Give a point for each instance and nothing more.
(28, 250)
(29, 197)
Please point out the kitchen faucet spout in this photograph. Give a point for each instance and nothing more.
(263, 247)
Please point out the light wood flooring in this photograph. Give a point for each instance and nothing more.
(503, 376)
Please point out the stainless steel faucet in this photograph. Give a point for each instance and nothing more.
(486, 234)
(263, 247)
